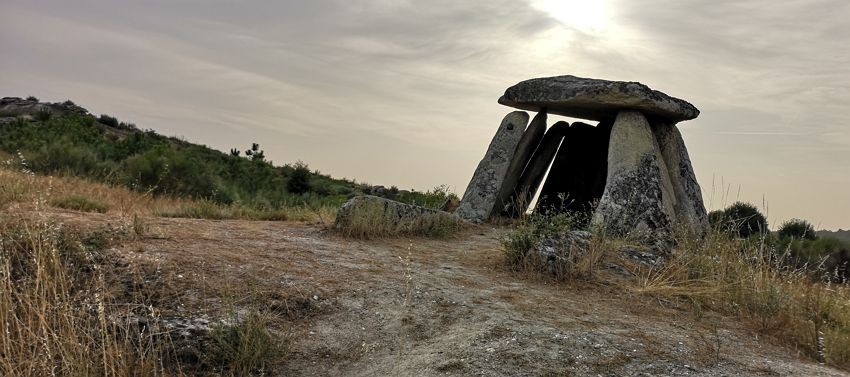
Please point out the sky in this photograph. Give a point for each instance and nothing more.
(404, 92)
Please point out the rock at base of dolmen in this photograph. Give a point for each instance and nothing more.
(527, 145)
(595, 99)
(688, 206)
(480, 197)
(366, 215)
(633, 204)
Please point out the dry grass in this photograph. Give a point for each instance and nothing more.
(56, 311)
(739, 278)
(17, 186)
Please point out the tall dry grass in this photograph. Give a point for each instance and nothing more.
(56, 311)
(18, 185)
(744, 279)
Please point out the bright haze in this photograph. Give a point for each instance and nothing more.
(404, 92)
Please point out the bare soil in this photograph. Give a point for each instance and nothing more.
(422, 307)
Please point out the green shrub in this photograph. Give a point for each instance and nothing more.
(299, 180)
(798, 229)
(108, 120)
(741, 219)
(79, 203)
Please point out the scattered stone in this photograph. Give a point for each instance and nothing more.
(633, 202)
(642, 255)
(527, 145)
(480, 197)
(595, 99)
(534, 173)
(559, 253)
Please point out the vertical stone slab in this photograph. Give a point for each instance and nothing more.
(480, 197)
(689, 208)
(536, 169)
(633, 204)
(527, 145)
(577, 177)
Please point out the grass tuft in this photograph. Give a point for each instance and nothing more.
(79, 203)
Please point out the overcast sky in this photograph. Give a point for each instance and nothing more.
(404, 92)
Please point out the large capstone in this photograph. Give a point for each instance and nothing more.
(636, 202)
(595, 99)
(480, 197)
(527, 145)
(577, 177)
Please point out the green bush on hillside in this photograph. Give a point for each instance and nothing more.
(740, 219)
(798, 229)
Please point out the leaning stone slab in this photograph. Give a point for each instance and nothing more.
(527, 145)
(368, 215)
(636, 200)
(595, 99)
(577, 177)
(688, 206)
(536, 169)
(480, 197)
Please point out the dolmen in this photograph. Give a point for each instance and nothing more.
(630, 171)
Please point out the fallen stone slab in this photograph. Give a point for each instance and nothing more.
(595, 99)
(479, 200)
(366, 215)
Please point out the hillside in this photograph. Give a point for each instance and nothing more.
(840, 234)
(64, 138)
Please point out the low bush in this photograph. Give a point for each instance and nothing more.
(79, 203)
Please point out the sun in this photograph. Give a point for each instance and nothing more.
(583, 15)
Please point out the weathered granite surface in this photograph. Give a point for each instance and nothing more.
(535, 171)
(479, 200)
(527, 145)
(687, 205)
(636, 202)
(595, 99)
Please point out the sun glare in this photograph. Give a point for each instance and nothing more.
(583, 15)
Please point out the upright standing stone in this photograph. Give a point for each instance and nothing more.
(636, 201)
(536, 169)
(480, 197)
(527, 145)
(577, 177)
(689, 207)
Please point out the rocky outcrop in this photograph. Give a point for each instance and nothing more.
(559, 255)
(527, 145)
(479, 200)
(633, 204)
(595, 99)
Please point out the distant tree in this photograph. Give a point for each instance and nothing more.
(798, 229)
(108, 120)
(32, 98)
(744, 219)
(255, 153)
(234, 152)
(299, 181)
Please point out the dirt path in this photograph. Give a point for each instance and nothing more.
(424, 307)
